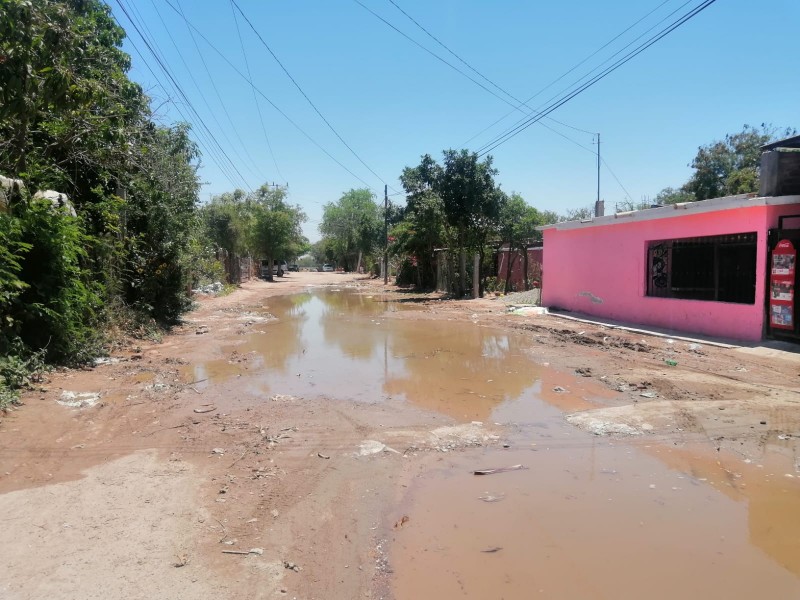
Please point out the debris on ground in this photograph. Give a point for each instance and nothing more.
(325, 456)
(205, 408)
(78, 399)
(403, 520)
(492, 498)
(492, 550)
(369, 447)
(559, 389)
(292, 566)
(499, 470)
(202, 329)
(210, 288)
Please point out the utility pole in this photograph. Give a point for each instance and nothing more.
(599, 209)
(385, 234)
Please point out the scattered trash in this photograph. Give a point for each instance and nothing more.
(368, 447)
(201, 330)
(405, 519)
(218, 451)
(257, 551)
(275, 514)
(282, 398)
(321, 455)
(104, 360)
(499, 470)
(491, 498)
(584, 371)
(211, 288)
(763, 422)
(291, 566)
(648, 395)
(78, 399)
(492, 550)
(559, 389)
(696, 348)
(671, 363)
(204, 408)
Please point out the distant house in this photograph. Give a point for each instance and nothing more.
(517, 260)
(724, 267)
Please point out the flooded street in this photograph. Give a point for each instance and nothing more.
(334, 426)
(589, 517)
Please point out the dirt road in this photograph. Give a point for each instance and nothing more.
(315, 437)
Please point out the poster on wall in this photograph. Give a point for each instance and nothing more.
(781, 297)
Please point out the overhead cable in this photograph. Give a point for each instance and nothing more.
(569, 96)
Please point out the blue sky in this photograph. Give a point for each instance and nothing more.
(391, 102)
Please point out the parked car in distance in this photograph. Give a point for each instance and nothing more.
(327, 268)
(279, 267)
(295, 268)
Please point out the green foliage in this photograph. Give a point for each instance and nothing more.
(517, 227)
(352, 226)
(670, 195)
(727, 167)
(470, 200)
(261, 224)
(72, 120)
(18, 369)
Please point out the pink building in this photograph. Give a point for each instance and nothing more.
(706, 267)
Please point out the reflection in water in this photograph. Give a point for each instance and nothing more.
(772, 499)
(343, 345)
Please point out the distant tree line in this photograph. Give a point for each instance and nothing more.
(455, 206)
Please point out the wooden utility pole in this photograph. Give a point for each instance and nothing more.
(385, 234)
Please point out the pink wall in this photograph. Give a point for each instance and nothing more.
(601, 269)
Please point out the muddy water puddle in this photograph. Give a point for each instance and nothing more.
(346, 346)
(589, 517)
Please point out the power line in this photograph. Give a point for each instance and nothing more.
(194, 81)
(255, 98)
(300, 89)
(221, 158)
(561, 101)
(265, 97)
(602, 160)
(519, 102)
(573, 68)
(607, 60)
(219, 97)
(149, 40)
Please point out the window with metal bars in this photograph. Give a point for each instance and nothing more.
(719, 268)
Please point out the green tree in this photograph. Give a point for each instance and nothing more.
(517, 227)
(417, 234)
(470, 200)
(278, 231)
(731, 166)
(353, 225)
(670, 195)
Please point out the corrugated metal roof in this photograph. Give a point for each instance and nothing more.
(790, 142)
